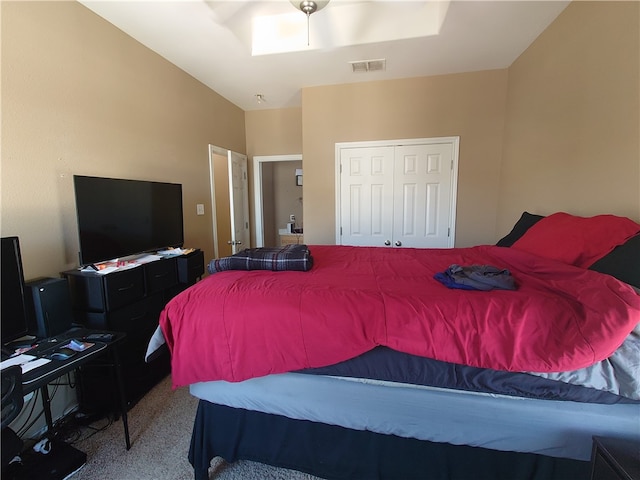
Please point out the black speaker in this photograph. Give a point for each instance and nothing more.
(49, 306)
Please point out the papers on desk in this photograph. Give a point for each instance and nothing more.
(26, 362)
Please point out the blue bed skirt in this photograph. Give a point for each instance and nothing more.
(334, 452)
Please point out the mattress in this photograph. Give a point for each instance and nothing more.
(547, 427)
(611, 381)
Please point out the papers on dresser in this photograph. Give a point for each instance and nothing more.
(26, 362)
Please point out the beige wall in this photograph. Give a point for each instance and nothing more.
(558, 130)
(81, 97)
(274, 132)
(271, 132)
(95, 102)
(572, 138)
(469, 105)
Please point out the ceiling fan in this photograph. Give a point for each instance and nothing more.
(308, 7)
(273, 27)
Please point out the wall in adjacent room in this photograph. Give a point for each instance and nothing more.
(288, 198)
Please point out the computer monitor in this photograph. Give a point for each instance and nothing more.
(13, 319)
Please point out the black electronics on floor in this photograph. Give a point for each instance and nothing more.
(48, 306)
(61, 461)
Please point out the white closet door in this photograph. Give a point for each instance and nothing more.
(366, 193)
(400, 195)
(422, 192)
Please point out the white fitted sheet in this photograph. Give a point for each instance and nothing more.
(548, 427)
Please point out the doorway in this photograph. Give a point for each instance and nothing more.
(229, 201)
(278, 194)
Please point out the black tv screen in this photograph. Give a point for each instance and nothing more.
(14, 323)
(119, 218)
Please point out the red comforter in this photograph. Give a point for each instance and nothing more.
(235, 325)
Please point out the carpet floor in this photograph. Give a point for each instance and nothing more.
(160, 429)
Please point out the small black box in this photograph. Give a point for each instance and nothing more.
(190, 267)
(48, 306)
(61, 461)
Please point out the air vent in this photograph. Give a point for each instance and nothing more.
(378, 65)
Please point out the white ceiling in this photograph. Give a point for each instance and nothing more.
(213, 40)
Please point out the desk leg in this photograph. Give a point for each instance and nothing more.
(46, 405)
(123, 400)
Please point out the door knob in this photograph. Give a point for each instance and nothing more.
(398, 243)
(387, 242)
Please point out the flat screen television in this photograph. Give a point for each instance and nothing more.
(119, 218)
(13, 323)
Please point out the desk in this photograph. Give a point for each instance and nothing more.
(40, 377)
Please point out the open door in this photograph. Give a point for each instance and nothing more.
(238, 186)
(266, 225)
(229, 201)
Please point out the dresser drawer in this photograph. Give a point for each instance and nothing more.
(160, 275)
(95, 292)
(190, 267)
(138, 320)
(122, 288)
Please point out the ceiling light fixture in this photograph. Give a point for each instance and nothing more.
(260, 98)
(308, 7)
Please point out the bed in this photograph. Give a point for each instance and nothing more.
(365, 364)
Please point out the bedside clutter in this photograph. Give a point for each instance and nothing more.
(128, 299)
(615, 459)
(291, 238)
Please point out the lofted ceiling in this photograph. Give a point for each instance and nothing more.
(242, 49)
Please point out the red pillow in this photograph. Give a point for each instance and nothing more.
(578, 241)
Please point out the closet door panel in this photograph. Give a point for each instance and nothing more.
(422, 187)
(366, 195)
